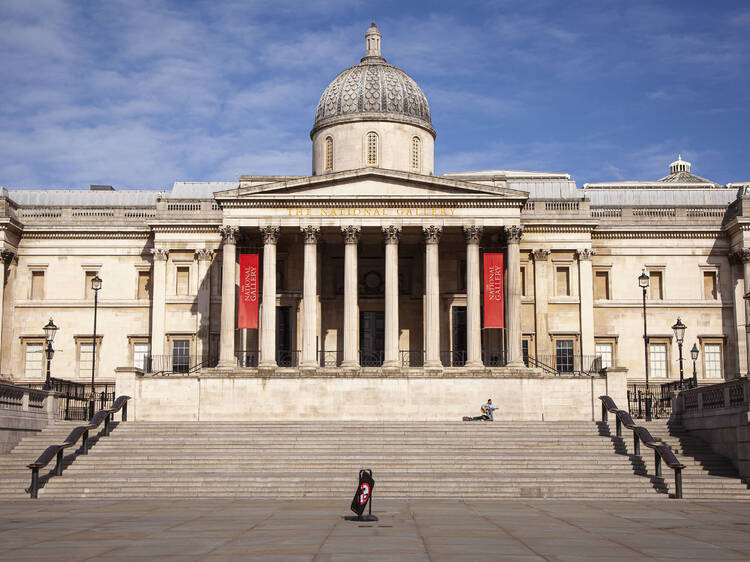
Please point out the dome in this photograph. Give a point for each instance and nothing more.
(373, 90)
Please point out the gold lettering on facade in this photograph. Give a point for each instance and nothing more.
(371, 211)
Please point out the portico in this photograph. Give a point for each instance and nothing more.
(380, 280)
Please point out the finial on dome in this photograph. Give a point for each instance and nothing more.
(372, 43)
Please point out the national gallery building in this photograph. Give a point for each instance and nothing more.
(373, 281)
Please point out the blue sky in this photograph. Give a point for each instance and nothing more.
(138, 94)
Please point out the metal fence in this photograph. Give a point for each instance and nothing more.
(569, 364)
(74, 397)
(177, 364)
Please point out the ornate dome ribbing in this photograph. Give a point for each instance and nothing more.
(373, 91)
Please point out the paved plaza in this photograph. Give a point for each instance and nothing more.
(407, 530)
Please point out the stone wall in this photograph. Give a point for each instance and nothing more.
(23, 411)
(522, 394)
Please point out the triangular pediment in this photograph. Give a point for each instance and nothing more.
(370, 183)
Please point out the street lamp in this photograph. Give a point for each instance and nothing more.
(643, 280)
(49, 334)
(679, 334)
(96, 284)
(694, 354)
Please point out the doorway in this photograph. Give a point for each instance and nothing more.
(371, 337)
(285, 356)
(457, 355)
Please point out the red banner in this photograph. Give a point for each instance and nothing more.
(247, 316)
(493, 291)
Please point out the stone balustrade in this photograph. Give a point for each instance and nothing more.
(23, 410)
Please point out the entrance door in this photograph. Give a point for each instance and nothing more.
(458, 356)
(284, 354)
(371, 338)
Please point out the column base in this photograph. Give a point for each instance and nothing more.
(350, 365)
(474, 365)
(516, 363)
(391, 365)
(433, 364)
(267, 365)
(227, 363)
(308, 365)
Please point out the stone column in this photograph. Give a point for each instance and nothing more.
(513, 235)
(391, 235)
(268, 311)
(473, 234)
(229, 234)
(311, 235)
(586, 299)
(159, 300)
(204, 256)
(541, 302)
(745, 257)
(7, 258)
(432, 235)
(351, 307)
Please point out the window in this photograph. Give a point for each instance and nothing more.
(183, 280)
(329, 154)
(34, 360)
(88, 291)
(144, 285)
(461, 286)
(604, 350)
(85, 358)
(525, 351)
(372, 149)
(281, 275)
(655, 285)
(601, 285)
(657, 358)
(37, 285)
(562, 281)
(564, 356)
(180, 356)
(712, 360)
(141, 353)
(709, 285)
(523, 281)
(416, 154)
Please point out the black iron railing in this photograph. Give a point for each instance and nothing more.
(247, 357)
(534, 362)
(412, 357)
(660, 395)
(178, 364)
(453, 358)
(371, 358)
(330, 358)
(73, 397)
(494, 358)
(287, 357)
(567, 364)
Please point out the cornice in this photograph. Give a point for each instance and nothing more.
(534, 228)
(188, 228)
(681, 234)
(361, 202)
(57, 234)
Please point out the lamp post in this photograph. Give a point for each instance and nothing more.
(679, 334)
(643, 281)
(49, 334)
(694, 354)
(96, 284)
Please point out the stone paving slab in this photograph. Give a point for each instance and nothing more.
(415, 530)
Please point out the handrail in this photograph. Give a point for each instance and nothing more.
(640, 434)
(80, 432)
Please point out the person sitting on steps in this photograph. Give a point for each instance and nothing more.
(487, 412)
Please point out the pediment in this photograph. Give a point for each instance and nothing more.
(371, 183)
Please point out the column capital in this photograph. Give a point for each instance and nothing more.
(270, 234)
(7, 256)
(432, 233)
(204, 254)
(743, 255)
(310, 233)
(585, 254)
(391, 234)
(473, 234)
(513, 234)
(229, 234)
(541, 254)
(351, 234)
(160, 254)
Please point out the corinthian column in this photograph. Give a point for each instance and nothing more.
(586, 297)
(541, 302)
(311, 235)
(513, 235)
(268, 314)
(159, 296)
(351, 307)
(204, 256)
(227, 359)
(7, 258)
(432, 235)
(744, 255)
(473, 234)
(391, 235)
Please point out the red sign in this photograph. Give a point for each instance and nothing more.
(247, 316)
(493, 291)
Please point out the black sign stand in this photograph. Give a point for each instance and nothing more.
(365, 478)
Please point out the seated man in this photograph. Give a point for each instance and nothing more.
(487, 412)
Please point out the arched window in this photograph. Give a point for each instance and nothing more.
(416, 154)
(371, 146)
(329, 154)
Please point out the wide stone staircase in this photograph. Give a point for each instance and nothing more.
(322, 460)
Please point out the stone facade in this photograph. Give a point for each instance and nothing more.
(379, 267)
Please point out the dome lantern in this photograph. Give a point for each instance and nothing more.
(372, 44)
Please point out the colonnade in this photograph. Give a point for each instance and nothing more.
(350, 237)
